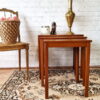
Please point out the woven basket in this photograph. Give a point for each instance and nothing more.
(9, 31)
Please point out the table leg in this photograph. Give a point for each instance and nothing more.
(19, 55)
(76, 63)
(46, 70)
(39, 57)
(42, 62)
(74, 58)
(27, 63)
(87, 61)
(82, 71)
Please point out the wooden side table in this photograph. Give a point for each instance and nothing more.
(41, 39)
(83, 43)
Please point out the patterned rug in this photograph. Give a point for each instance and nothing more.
(62, 86)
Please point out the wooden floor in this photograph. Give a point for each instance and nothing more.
(4, 75)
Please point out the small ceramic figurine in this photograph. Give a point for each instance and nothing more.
(53, 29)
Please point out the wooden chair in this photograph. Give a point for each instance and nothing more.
(16, 46)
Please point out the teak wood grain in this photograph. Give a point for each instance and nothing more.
(41, 38)
(75, 41)
(69, 43)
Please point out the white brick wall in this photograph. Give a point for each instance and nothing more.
(35, 13)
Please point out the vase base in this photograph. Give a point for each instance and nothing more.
(70, 33)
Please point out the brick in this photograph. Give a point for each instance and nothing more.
(35, 13)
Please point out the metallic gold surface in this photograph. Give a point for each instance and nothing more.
(70, 17)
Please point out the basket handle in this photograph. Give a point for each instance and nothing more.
(10, 11)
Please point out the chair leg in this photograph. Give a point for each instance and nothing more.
(27, 63)
(19, 55)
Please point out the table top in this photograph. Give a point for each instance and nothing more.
(64, 40)
(67, 40)
(60, 35)
(67, 43)
(76, 36)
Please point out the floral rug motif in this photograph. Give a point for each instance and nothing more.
(62, 86)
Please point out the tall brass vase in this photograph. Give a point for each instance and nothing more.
(70, 15)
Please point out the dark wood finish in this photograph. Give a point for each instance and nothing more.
(68, 43)
(61, 36)
(46, 70)
(82, 64)
(39, 56)
(76, 63)
(73, 57)
(87, 67)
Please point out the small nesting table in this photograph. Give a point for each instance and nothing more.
(74, 41)
(41, 38)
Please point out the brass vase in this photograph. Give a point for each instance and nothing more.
(70, 15)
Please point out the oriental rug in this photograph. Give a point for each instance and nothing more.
(62, 86)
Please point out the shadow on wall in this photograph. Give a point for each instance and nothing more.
(31, 38)
(28, 29)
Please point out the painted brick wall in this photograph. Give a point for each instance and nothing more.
(35, 13)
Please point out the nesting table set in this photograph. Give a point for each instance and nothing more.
(79, 43)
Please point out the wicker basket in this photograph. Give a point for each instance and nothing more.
(9, 31)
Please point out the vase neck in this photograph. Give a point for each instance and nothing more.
(70, 4)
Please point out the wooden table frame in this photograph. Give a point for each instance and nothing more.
(85, 48)
(41, 38)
